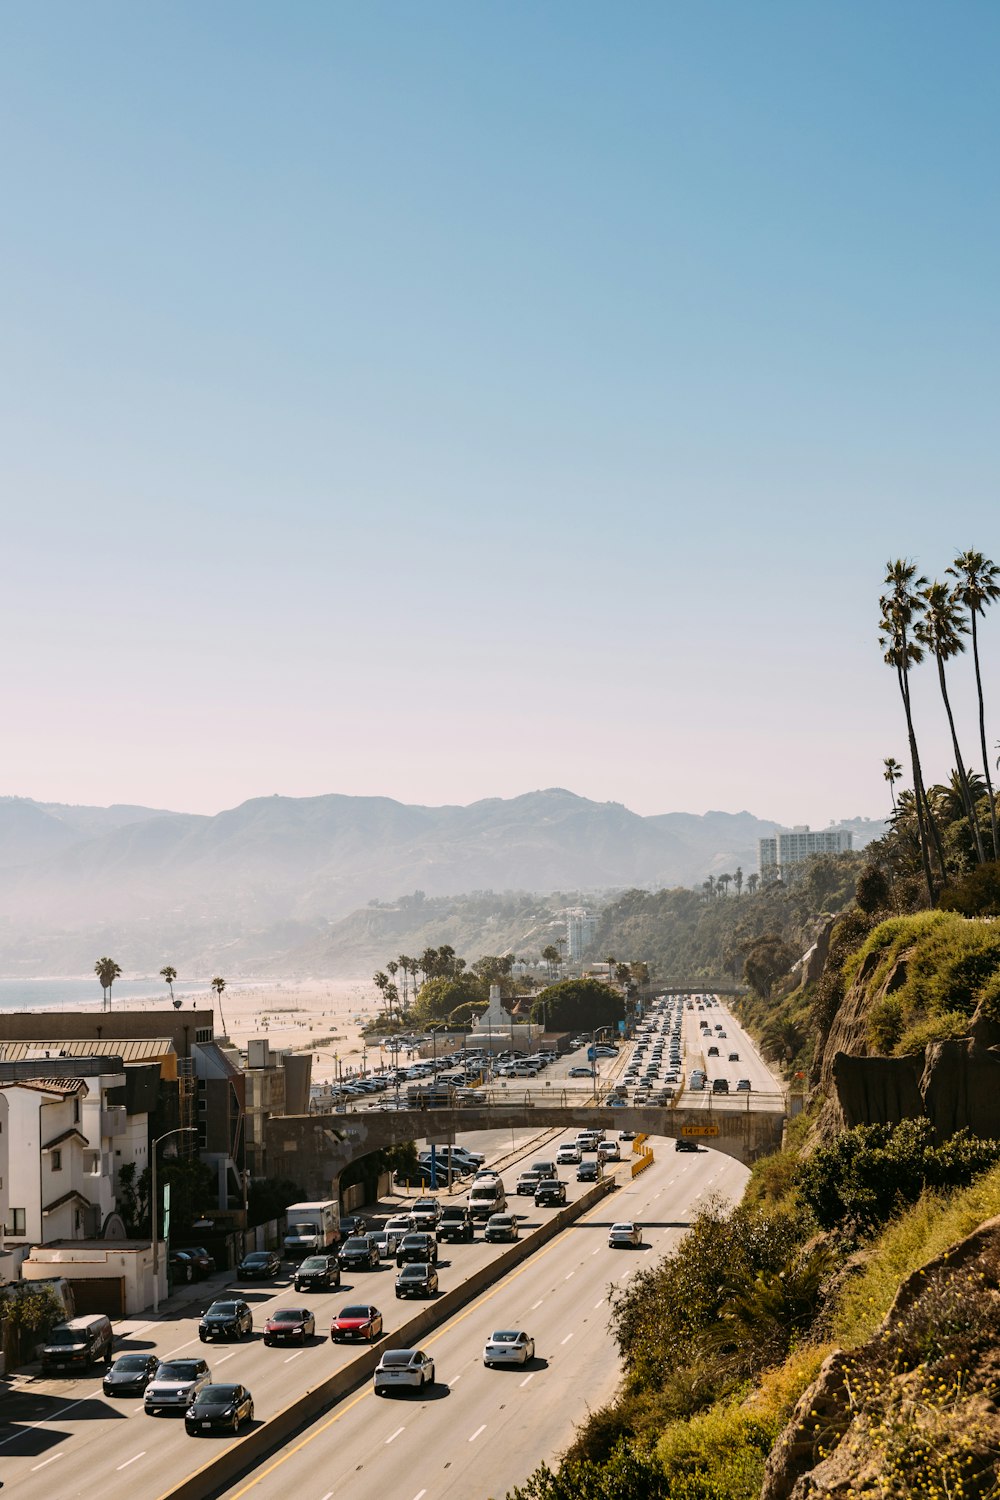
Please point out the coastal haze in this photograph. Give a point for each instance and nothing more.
(308, 885)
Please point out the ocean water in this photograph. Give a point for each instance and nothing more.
(71, 994)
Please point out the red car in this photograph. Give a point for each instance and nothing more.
(357, 1323)
(289, 1323)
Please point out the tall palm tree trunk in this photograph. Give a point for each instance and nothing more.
(963, 779)
(918, 792)
(982, 738)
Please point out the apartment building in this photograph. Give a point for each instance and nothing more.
(793, 846)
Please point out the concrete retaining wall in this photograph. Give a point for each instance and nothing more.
(249, 1452)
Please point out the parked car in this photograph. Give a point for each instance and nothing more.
(317, 1273)
(359, 1253)
(508, 1346)
(180, 1266)
(358, 1323)
(78, 1343)
(229, 1319)
(417, 1247)
(550, 1193)
(501, 1229)
(219, 1408)
(130, 1374)
(176, 1384)
(624, 1236)
(417, 1281)
(203, 1262)
(580, 1072)
(403, 1369)
(259, 1265)
(290, 1323)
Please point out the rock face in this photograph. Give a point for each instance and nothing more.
(918, 1401)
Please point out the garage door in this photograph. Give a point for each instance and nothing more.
(99, 1294)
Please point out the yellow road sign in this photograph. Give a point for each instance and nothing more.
(699, 1130)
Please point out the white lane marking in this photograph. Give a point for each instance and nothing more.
(566, 1339)
(177, 1351)
(598, 1304)
(571, 1274)
(524, 1382)
(477, 1432)
(394, 1436)
(537, 1304)
(222, 1361)
(418, 1496)
(329, 1495)
(36, 1467)
(134, 1459)
(455, 1381)
(597, 1251)
(290, 1357)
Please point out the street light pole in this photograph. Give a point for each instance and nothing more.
(154, 1208)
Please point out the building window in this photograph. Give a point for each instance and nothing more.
(57, 1161)
(76, 1110)
(203, 1034)
(15, 1221)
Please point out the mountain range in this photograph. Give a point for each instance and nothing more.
(258, 885)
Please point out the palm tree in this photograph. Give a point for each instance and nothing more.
(404, 965)
(753, 881)
(900, 606)
(941, 630)
(551, 957)
(107, 972)
(892, 773)
(722, 883)
(169, 973)
(979, 585)
(738, 880)
(218, 985)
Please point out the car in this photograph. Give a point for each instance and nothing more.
(352, 1224)
(175, 1385)
(743, 1087)
(456, 1223)
(526, 1184)
(713, 1051)
(720, 1085)
(550, 1193)
(508, 1346)
(579, 1072)
(399, 1225)
(386, 1243)
(588, 1171)
(359, 1253)
(180, 1266)
(426, 1213)
(228, 1319)
(130, 1374)
(360, 1322)
(219, 1408)
(614, 1102)
(734, 1057)
(501, 1229)
(626, 1135)
(403, 1369)
(317, 1273)
(202, 1261)
(259, 1265)
(569, 1155)
(626, 1235)
(609, 1151)
(417, 1247)
(417, 1281)
(722, 1035)
(290, 1323)
(681, 1144)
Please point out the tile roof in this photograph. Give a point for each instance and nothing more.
(64, 1086)
(129, 1049)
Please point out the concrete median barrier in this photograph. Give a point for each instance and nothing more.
(247, 1453)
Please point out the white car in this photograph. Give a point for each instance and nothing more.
(387, 1241)
(569, 1155)
(175, 1385)
(624, 1236)
(403, 1369)
(399, 1225)
(508, 1346)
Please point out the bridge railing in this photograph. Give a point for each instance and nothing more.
(503, 1097)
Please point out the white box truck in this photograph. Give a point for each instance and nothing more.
(311, 1228)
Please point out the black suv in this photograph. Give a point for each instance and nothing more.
(457, 1224)
(316, 1273)
(359, 1252)
(225, 1320)
(550, 1193)
(417, 1248)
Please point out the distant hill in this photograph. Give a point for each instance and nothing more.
(272, 877)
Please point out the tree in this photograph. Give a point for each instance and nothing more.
(722, 882)
(940, 631)
(169, 974)
(441, 996)
(623, 974)
(892, 773)
(753, 881)
(738, 880)
(107, 972)
(767, 959)
(218, 985)
(552, 958)
(978, 585)
(578, 1005)
(900, 608)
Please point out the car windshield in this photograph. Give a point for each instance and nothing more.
(353, 1312)
(313, 1263)
(289, 1315)
(357, 1243)
(65, 1336)
(397, 1359)
(413, 1273)
(504, 1336)
(256, 1258)
(130, 1362)
(223, 1310)
(217, 1393)
(178, 1369)
(626, 1228)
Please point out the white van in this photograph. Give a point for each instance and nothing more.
(487, 1197)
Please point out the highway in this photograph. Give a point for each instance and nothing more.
(62, 1436)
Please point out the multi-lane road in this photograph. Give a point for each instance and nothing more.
(478, 1433)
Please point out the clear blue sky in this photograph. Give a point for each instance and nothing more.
(444, 400)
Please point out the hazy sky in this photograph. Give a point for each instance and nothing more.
(444, 400)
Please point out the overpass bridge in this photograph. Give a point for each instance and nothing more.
(313, 1150)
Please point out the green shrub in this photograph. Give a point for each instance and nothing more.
(976, 894)
(934, 1029)
(885, 1024)
(718, 1453)
(627, 1475)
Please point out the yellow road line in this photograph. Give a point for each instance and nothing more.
(453, 1322)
